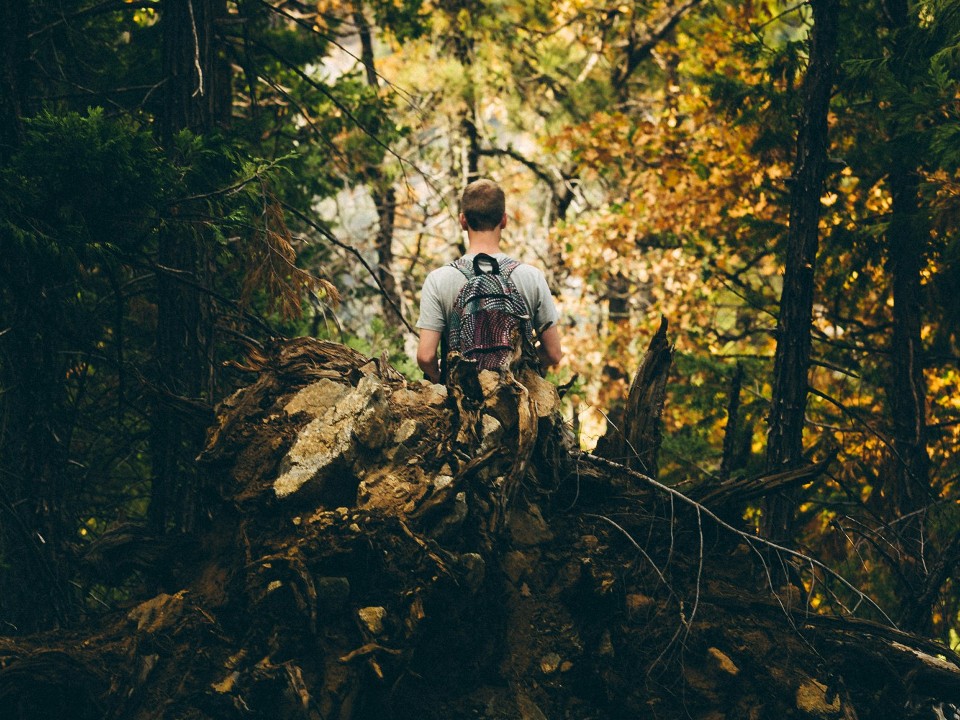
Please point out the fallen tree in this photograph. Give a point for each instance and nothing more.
(385, 549)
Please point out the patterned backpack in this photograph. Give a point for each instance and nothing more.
(489, 315)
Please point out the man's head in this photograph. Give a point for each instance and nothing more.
(483, 205)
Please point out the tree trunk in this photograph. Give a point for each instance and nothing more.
(386, 200)
(792, 359)
(907, 477)
(730, 459)
(35, 421)
(462, 41)
(384, 196)
(34, 436)
(196, 98)
(196, 90)
(907, 482)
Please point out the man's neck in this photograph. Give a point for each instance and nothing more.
(486, 241)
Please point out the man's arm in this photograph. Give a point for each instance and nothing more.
(427, 354)
(549, 350)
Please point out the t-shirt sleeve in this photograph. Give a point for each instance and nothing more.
(545, 313)
(431, 311)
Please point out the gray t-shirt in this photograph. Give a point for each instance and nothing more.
(443, 284)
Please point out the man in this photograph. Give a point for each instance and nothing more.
(483, 216)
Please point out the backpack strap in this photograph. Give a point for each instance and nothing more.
(471, 268)
(508, 266)
(463, 266)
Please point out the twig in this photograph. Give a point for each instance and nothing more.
(876, 433)
(752, 540)
(353, 251)
(636, 545)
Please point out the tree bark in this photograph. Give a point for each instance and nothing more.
(196, 90)
(196, 98)
(462, 42)
(386, 200)
(729, 460)
(35, 421)
(907, 480)
(636, 443)
(35, 427)
(792, 359)
(908, 390)
(384, 196)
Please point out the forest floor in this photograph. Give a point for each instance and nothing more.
(379, 549)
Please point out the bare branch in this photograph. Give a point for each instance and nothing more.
(752, 540)
(101, 9)
(641, 50)
(353, 251)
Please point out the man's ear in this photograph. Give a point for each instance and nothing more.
(503, 222)
(463, 222)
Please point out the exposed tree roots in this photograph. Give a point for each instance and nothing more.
(378, 549)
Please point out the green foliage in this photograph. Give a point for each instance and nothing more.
(80, 191)
(700, 386)
(404, 21)
(81, 186)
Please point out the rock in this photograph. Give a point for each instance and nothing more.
(433, 395)
(346, 420)
(158, 612)
(550, 663)
(723, 661)
(370, 428)
(317, 398)
(503, 401)
(404, 440)
(543, 394)
(492, 432)
(475, 570)
(527, 526)
(332, 593)
(812, 699)
(408, 428)
(372, 618)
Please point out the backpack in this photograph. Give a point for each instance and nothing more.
(489, 314)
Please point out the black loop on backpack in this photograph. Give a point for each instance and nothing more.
(487, 259)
